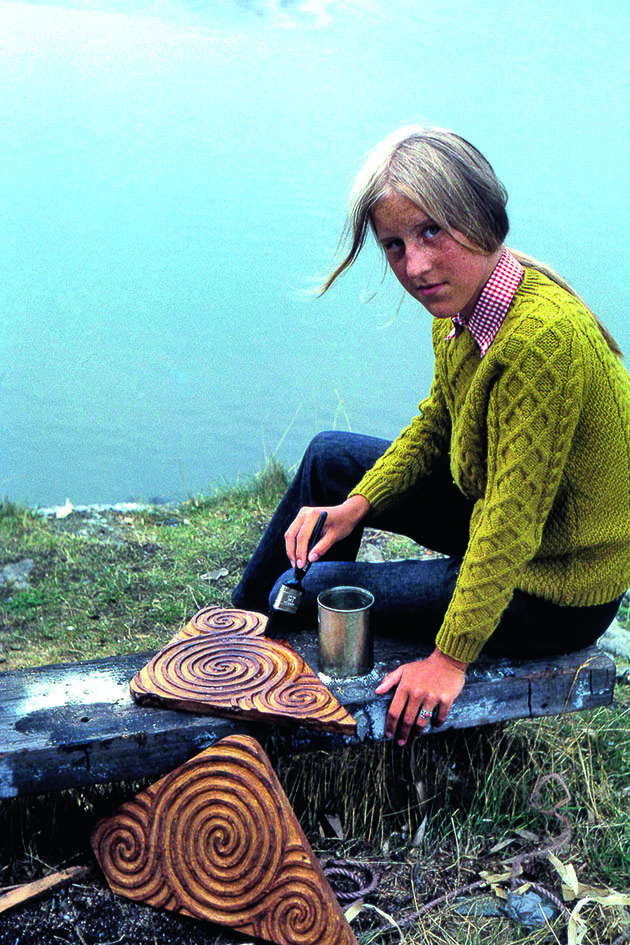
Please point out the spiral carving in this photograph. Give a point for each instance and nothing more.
(240, 676)
(217, 840)
(221, 622)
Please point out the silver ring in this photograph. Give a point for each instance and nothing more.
(424, 714)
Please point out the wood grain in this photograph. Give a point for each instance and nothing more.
(217, 840)
(239, 676)
(27, 892)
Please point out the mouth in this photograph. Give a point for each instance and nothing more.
(429, 289)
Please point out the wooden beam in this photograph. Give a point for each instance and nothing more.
(496, 690)
(75, 724)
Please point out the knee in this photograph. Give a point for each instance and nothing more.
(329, 442)
(238, 598)
(328, 447)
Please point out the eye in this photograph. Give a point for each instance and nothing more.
(431, 231)
(391, 245)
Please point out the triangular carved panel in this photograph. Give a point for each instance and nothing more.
(240, 674)
(243, 677)
(218, 840)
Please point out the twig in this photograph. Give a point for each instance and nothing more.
(18, 895)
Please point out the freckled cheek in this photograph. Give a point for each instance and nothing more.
(464, 268)
(399, 270)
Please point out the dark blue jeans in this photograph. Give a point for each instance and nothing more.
(411, 596)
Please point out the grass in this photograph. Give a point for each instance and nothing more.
(430, 818)
(121, 583)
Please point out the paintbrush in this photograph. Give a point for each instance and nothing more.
(289, 597)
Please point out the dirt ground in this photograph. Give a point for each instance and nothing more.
(88, 913)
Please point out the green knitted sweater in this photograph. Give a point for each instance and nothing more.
(538, 436)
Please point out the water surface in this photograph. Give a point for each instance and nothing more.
(172, 179)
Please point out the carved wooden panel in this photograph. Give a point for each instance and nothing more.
(243, 677)
(217, 840)
(207, 669)
(223, 622)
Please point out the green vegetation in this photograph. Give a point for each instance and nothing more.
(431, 818)
(118, 582)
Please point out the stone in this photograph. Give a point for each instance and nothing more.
(616, 642)
(530, 909)
(15, 576)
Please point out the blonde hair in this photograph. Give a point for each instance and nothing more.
(453, 183)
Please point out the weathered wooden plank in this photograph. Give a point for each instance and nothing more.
(497, 690)
(75, 724)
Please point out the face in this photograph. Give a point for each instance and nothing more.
(437, 270)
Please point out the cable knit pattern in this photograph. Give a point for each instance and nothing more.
(537, 434)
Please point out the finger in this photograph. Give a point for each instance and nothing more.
(326, 541)
(304, 536)
(409, 720)
(425, 717)
(442, 714)
(290, 539)
(394, 712)
(293, 533)
(389, 681)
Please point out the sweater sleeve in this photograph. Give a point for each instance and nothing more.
(413, 454)
(532, 413)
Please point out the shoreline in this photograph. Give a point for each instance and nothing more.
(62, 511)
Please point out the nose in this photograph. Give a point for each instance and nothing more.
(417, 260)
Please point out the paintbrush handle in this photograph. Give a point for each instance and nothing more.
(315, 536)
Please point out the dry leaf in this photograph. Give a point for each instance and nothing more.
(493, 878)
(527, 835)
(214, 575)
(353, 911)
(595, 892)
(387, 917)
(421, 792)
(501, 845)
(566, 872)
(418, 837)
(576, 929)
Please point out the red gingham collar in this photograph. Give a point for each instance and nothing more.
(493, 303)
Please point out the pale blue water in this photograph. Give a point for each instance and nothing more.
(172, 177)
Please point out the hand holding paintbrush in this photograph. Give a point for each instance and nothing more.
(290, 594)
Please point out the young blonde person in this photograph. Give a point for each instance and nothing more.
(516, 467)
